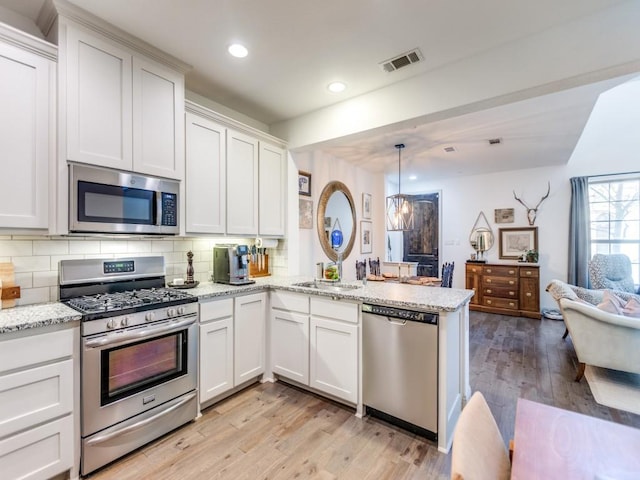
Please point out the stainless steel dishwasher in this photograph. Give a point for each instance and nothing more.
(400, 367)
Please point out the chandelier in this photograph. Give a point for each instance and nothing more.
(399, 206)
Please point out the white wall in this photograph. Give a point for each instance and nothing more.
(325, 168)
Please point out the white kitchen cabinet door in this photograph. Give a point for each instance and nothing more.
(249, 337)
(216, 358)
(242, 184)
(334, 358)
(158, 120)
(290, 345)
(273, 190)
(205, 185)
(26, 103)
(99, 96)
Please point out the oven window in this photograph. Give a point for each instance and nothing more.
(115, 204)
(135, 367)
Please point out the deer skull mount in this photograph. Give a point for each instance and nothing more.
(531, 212)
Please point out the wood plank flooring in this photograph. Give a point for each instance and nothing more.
(274, 431)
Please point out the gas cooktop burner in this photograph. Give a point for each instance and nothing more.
(136, 300)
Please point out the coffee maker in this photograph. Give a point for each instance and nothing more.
(231, 264)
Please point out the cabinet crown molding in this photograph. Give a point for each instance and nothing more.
(88, 20)
(24, 41)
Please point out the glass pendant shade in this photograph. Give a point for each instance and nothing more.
(399, 206)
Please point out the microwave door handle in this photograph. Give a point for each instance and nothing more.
(158, 208)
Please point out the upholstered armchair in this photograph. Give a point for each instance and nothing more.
(612, 272)
(600, 338)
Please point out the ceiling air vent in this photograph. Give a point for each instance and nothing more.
(449, 149)
(494, 141)
(406, 59)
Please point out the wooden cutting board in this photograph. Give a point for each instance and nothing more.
(8, 282)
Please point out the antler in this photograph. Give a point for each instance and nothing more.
(545, 196)
(516, 197)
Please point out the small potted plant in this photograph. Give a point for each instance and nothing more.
(532, 256)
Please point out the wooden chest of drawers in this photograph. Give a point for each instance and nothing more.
(505, 289)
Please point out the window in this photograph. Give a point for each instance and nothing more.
(614, 207)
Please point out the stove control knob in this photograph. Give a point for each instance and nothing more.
(150, 316)
(124, 322)
(171, 312)
(111, 324)
(181, 310)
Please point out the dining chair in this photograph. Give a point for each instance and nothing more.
(447, 274)
(479, 452)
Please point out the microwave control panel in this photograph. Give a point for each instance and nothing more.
(169, 209)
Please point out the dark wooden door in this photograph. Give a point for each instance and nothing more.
(421, 243)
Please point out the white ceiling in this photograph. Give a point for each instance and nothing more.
(298, 46)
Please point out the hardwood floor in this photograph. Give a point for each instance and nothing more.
(274, 431)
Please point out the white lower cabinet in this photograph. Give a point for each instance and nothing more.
(249, 337)
(216, 348)
(232, 343)
(36, 395)
(290, 336)
(333, 363)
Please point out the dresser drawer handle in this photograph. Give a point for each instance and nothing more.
(511, 272)
(528, 294)
(488, 290)
(511, 282)
(488, 270)
(489, 302)
(512, 293)
(488, 280)
(511, 304)
(528, 273)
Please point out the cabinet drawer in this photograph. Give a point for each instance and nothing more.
(34, 396)
(41, 452)
(293, 302)
(26, 351)
(336, 309)
(474, 268)
(501, 303)
(529, 272)
(500, 271)
(509, 282)
(501, 292)
(216, 309)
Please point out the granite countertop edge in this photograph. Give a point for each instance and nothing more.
(379, 293)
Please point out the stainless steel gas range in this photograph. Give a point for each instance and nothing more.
(138, 354)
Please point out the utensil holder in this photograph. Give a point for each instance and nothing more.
(256, 271)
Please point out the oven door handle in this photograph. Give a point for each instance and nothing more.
(101, 342)
(136, 426)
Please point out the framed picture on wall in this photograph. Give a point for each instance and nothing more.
(366, 205)
(305, 212)
(304, 183)
(365, 237)
(514, 242)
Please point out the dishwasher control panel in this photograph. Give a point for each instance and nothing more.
(393, 312)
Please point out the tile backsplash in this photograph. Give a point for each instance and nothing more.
(36, 259)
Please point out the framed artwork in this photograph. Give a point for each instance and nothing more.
(366, 205)
(504, 215)
(304, 183)
(515, 241)
(305, 213)
(365, 237)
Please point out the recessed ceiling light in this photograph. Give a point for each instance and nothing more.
(237, 50)
(412, 177)
(336, 87)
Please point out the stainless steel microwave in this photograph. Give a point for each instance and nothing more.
(111, 201)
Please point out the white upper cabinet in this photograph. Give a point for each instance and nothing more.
(205, 176)
(158, 113)
(242, 183)
(99, 105)
(123, 109)
(273, 188)
(27, 130)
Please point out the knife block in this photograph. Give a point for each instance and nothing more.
(256, 271)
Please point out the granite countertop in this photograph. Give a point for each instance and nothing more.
(35, 316)
(416, 297)
(401, 295)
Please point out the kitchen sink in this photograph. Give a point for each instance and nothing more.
(327, 286)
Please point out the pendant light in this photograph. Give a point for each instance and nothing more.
(399, 206)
